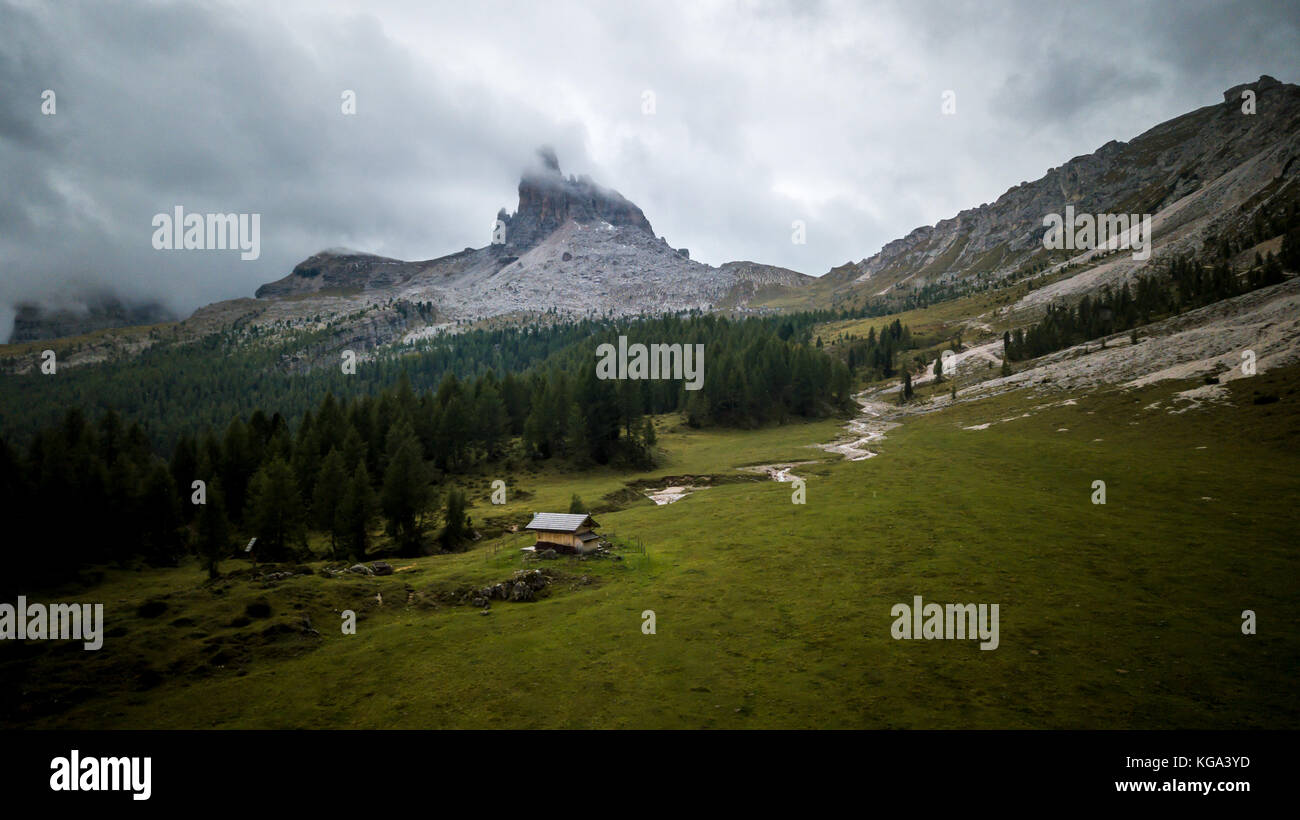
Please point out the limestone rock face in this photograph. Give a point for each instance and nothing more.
(571, 246)
(340, 270)
(1193, 173)
(547, 200)
(1233, 95)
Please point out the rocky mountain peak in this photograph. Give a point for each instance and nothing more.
(1233, 95)
(548, 199)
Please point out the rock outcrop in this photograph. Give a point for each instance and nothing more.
(1247, 154)
(571, 246)
(1234, 94)
(341, 270)
(547, 200)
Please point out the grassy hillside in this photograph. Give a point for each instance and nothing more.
(771, 614)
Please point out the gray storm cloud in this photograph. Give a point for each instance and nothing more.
(762, 115)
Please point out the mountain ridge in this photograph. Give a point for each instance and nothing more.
(573, 247)
(1149, 173)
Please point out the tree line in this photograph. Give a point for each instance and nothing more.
(88, 491)
(178, 384)
(1186, 283)
(876, 357)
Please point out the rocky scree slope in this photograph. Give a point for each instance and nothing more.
(1252, 156)
(571, 247)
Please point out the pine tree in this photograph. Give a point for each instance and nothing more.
(515, 395)
(213, 529)
(357, 512)
(307, 455)
(274, 513)
(599, 402)
(123, 505)
(406, 496)
(491, 418)
(697, 409)
(1290, 253)
(576, 438)
(454, 431)
(331, 486)
(457, 528)
(354, 448)
(238, 462)
(159, 517)
(841, 385)
(184, 468)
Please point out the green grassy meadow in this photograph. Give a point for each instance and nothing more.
(771, 614)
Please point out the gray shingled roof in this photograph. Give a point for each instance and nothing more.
(559, 522)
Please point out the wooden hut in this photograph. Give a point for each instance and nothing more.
(564, 532)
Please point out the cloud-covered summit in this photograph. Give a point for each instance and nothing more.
(725, 123)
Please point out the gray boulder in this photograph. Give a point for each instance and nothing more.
(534, 578)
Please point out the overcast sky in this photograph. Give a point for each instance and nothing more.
(763, 113)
